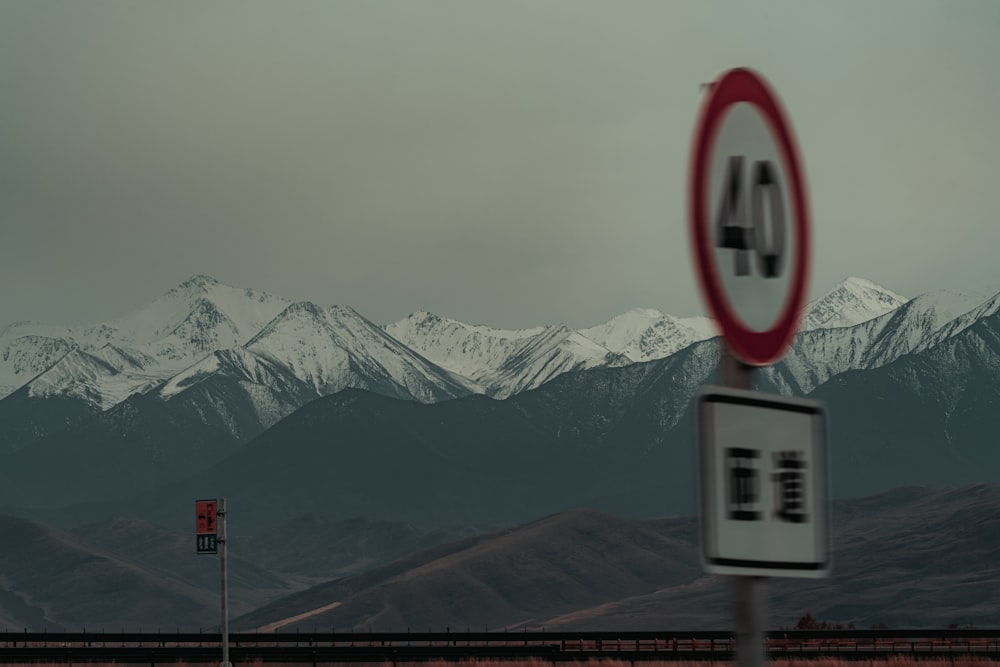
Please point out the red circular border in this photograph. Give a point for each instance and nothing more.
(757, 348)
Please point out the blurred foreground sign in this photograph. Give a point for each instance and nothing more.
(749, 217)
(763, 496)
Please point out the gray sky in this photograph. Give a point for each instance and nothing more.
(510, 163)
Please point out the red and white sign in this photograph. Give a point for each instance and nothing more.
(749, 217)
(205, 517)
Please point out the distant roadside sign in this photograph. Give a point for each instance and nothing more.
(764, 492)
(749, 217)
(206, 526)
(205, 517)
(207, 544)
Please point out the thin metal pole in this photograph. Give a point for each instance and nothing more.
(749, 594)
(225, 593)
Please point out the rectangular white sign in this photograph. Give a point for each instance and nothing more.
(763, 484)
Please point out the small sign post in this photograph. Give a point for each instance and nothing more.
(750, 238)
(225, 591)
(210, 534)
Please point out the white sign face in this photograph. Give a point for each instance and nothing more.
(751, 214)
(763, 495)
(749, 217)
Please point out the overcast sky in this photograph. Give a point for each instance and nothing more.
(506, 163)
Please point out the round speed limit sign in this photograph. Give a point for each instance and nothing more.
(749, 217)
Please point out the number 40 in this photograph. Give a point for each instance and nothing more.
(730, 225)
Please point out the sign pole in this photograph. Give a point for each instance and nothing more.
(225, 607)
(748, 593)
(750, 236)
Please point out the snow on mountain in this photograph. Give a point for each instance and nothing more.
(644, 334)
(27, 349)
(268, 389)
(104, 377)
(918, 324)
(622, 331)
(987, 308)
(501, 362)
(216, 339)
(200, 315)
(470, 350)
(929, 318)
(334, 348)
(853, 301)
(557, 350)
(107, 362)
(704, 327)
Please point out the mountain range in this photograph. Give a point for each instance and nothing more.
(174, 388)
(282, 354)
(523, 474)
(446, 424)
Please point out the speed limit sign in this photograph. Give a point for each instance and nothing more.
(749, 217)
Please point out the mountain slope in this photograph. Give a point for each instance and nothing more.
(613, 439)
(54, 579)
(304, 353)
(131, 574)
(140, 444)
(334, 348)
(501, 363)
(929, 417)
(617, 439)
(853, 301)
(105, 363)
(643, 334)
(522, 575)
(913, 557)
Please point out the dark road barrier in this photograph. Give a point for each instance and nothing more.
(393, 647)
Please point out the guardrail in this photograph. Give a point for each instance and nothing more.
(314, 647)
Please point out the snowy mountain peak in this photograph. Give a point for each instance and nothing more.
(335, 347)
(858, 284)
(853, 301)
(619, 331)
(197, 282)
(421, 322)
(644, 334)
(137, 351)
(199, 301)
(301, 307)
(339, 310)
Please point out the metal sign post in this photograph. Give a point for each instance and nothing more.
(748, 594)
(210, 535)
(223, 542)
(750, 236)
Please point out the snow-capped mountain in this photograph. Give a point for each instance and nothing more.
(853, 301)
(469, 349)
(937, 347)
(105, 363)
(644, 334)
(555, 351)
(918, 324)
(244, 359)
(501, 362)
(929, 318)
(304, 353)
(27, 349)
(335, 347)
